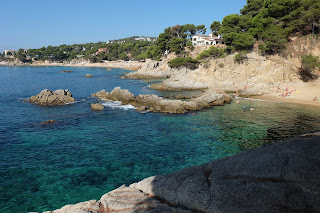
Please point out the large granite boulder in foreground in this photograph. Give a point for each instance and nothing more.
(47, 97)
(281, 177)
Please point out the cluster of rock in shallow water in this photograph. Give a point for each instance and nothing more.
(152, 103)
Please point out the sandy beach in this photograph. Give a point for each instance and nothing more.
(129, 65)
(303, 94)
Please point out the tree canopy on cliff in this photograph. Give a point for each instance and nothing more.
(270, 22)
(175, 39)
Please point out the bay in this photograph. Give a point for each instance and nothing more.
(85, 154)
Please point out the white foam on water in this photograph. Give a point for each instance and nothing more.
(137, 82)
(117, 104)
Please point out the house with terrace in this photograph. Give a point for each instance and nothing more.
(201, 40)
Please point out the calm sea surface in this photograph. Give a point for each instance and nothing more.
(85, 154)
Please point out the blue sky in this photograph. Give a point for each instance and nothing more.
(37, 23)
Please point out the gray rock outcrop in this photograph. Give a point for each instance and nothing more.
(281, 177)
(47, 97)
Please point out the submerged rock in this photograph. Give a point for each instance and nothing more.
(89, 76)
(97, 107)
(65, 71)
(281, 177)
(180, 96)
(47, 97)
(48, 122)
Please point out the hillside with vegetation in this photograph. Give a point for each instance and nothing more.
(264, 25)
(132, 48)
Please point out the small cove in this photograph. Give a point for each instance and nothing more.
(85, 154)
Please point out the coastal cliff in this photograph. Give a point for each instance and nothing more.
(281, 177)
(257, 74)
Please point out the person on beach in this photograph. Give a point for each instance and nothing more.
(315, 99)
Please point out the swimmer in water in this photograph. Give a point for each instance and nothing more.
(238, 102)
(251, 109)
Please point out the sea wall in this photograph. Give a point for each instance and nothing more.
(281, 177)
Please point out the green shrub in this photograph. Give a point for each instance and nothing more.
(240, 57)
(262, 49)
(212, 52)
(221, 65)
(308, 64)
(184, 62)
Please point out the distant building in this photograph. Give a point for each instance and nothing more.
(13, 52)
(105, 50)
(145, 39)
(200, 40)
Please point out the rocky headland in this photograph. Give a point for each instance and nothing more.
(47, 97)
(153, 103)
(280, 177)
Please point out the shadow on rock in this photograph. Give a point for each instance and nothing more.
(282, 177)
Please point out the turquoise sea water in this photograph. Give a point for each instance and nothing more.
(85, 154)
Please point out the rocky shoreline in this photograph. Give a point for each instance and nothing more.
(280, 177)
(268, 78)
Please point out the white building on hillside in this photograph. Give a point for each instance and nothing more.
(200, 40)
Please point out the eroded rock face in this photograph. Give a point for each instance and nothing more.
(47, 97)
(256, 73)
(153, 103)
(277, 178)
